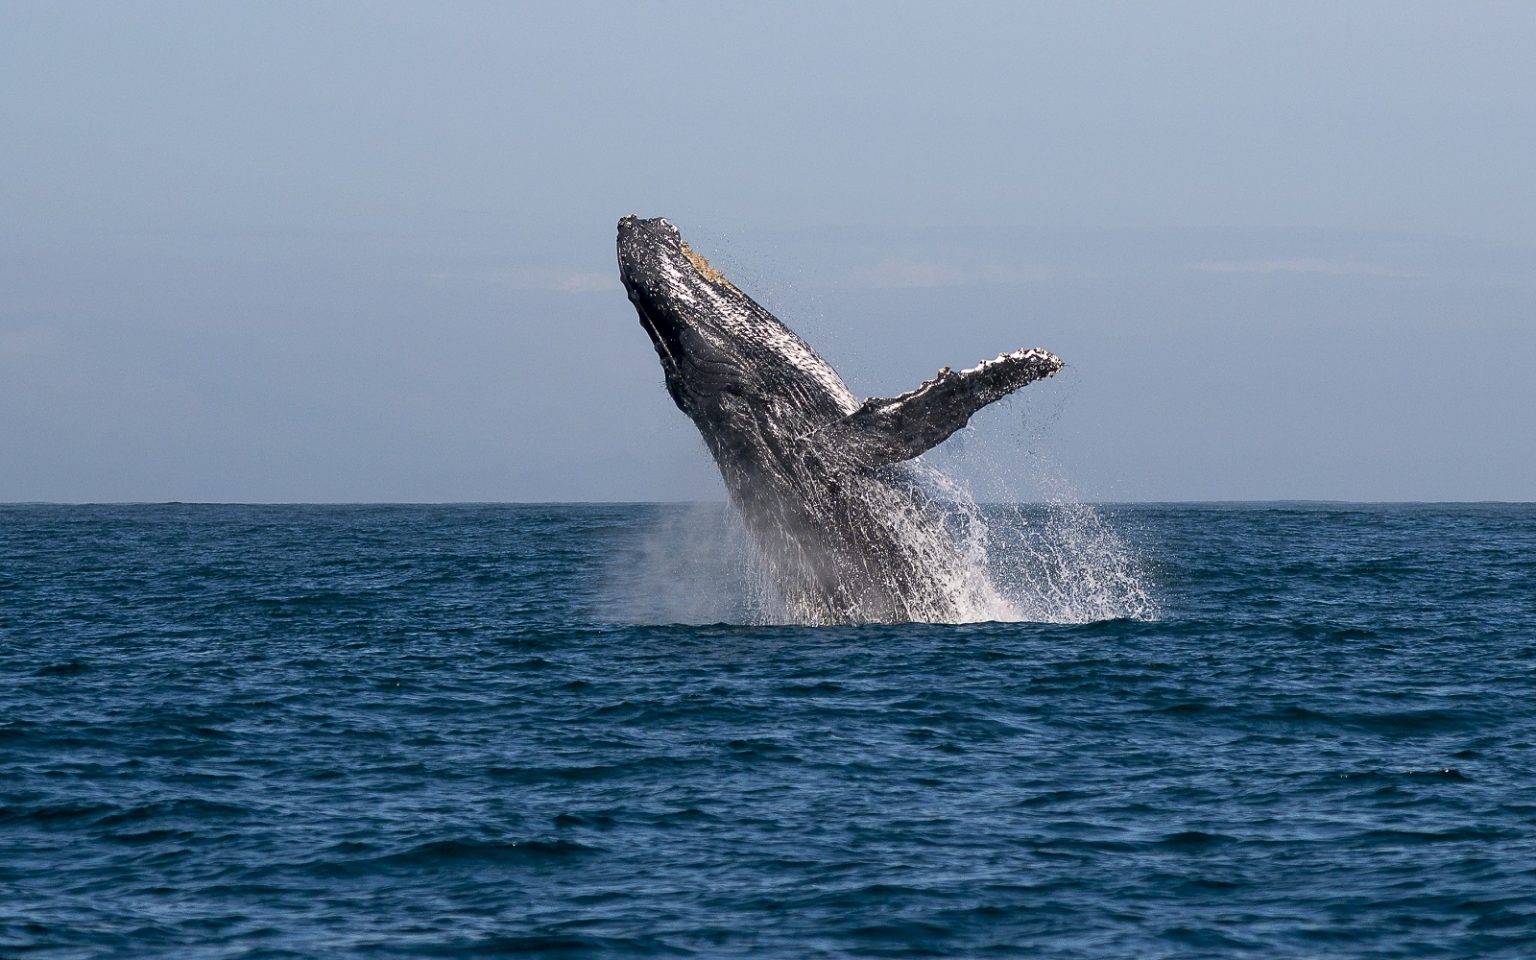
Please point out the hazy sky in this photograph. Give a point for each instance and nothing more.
(364, 251)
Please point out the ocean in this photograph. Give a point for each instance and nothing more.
(1234, 730)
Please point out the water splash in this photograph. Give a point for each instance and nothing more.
(1063, 562)
(1060, 560)
(1057, 560)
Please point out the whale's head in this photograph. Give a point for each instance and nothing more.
(721, 352)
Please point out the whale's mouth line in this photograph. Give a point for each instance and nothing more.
(672, 364)
(654, 329)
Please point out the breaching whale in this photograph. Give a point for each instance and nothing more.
(850, 529)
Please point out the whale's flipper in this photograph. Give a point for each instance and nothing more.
(890, 429)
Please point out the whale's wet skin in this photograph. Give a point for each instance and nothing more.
(850, 528)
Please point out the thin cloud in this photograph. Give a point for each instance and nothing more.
(549, 279)
(1338, 268)
(897, 273)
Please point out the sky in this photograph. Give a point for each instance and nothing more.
(349, 251)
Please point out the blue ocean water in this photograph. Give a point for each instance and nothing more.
(402, 731)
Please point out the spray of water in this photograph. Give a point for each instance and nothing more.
(1062, 561)
(690, 563)
(1059, 560)
(1052, 556)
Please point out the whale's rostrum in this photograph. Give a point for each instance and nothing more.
(850, 529)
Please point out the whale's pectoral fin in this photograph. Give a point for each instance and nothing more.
(890, 429)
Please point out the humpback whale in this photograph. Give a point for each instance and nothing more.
(851, 529)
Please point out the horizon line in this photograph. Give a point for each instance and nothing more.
(1310, 501)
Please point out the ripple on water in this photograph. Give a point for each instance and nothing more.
(416, 731)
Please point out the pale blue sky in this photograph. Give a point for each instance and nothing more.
(364, 251)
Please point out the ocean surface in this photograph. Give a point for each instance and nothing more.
(417, 731)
